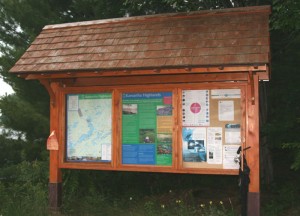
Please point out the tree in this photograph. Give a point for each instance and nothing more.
(21, 21)
(141, 7)
(284, 96)
(284, 119)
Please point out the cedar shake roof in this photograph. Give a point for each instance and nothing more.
(228, 37)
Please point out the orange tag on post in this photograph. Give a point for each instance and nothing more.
(52, 143)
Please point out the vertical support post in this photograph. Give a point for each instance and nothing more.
(55, 177)
(252, 139)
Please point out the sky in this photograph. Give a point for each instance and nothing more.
(5, 88)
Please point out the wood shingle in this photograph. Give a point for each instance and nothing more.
(205, 38)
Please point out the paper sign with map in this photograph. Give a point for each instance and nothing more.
(89, 127)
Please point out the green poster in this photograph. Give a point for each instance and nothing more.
(147, 128)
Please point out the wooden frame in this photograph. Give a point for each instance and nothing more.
(117, 91)
(226, 56)
(62, 137)
(247, 82)
(148, 168)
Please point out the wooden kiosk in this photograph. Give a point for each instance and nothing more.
(162, 93)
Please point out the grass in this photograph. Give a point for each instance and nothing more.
(151, 194)
(135, 194)
(164, 205)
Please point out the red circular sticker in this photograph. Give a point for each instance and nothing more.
(195, 108)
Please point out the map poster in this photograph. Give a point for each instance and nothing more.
(195, 108)
(89, 127)
(147, 123)
(194, 144)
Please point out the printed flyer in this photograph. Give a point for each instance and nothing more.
(147, 123)
(230, 152)
(194, 144)
(232, 133)
(214, 145)
(195, 108)
(225, 93)
(226, 110)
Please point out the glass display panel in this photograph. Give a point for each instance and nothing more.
(211, 128)
(147, 123)
(89, 127)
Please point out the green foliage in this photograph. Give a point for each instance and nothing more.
(295, 147)
(285, 25)
(286, 15)
(23, 116)
(283, 200)
(284, 96)
(17, 31)
(150, 208)
(216, 209)
(94, 202)
(141, 7)
(10, 151)
(95, 9)
(24, 193)
(21, 22)
(179, 207)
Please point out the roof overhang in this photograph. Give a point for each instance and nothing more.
(216, 41)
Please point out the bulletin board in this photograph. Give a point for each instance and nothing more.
(179, 128)
(211, 127)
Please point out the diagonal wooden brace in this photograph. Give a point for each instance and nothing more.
(251, 81)
(46, 84)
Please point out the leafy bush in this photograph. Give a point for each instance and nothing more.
(26, 192)
(283, 200)
(295, 147)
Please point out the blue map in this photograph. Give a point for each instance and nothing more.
(89, 127)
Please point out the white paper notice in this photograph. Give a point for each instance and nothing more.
(225, 93)
(226, 110)
(230, 152)
(195, 108)
(106, 152)
(73, 103)
(214, 145)
(232, 133)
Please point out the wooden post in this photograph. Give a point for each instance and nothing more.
(252, 139)
(55, 177)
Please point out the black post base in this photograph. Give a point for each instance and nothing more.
(253, 204)
(55, 196)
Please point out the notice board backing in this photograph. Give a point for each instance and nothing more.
(166, 145)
